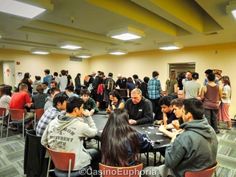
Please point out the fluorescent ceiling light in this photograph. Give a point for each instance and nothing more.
(70, 46)
(84, 56)
(231, 8)
(234, 13)
(20, 9)
(117, 52)
(126, 34)
(40, 51)
(169, 46)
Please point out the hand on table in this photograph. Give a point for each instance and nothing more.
(162, 128)
(86, 113)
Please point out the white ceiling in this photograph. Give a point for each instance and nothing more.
(87, 22)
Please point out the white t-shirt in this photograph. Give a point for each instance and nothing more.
(227, 92)
(4, 102)
(63, 83)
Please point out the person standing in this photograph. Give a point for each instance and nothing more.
(225, 102)
(211, 94)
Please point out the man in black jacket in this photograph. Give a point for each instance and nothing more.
(139, 108)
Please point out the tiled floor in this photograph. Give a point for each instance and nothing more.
(12, 154)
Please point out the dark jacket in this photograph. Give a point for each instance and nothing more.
(193, 150)
(141, 112)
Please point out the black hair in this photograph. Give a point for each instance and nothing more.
(116, 94)
(208, 71)
(53, 90)
(47, 71)
(135, 76)
(165, 100)
(72, 103)
(155, 74)
(195, 75)
(59, 98)
(55, 74)
(211, 77)
(84, 92)
(195, 107)
(38, 78)
(177, 102)
(146, 79)
(70, 88)
(116, 136)
(110, 74)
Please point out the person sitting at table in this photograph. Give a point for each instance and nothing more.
(194, 149)
(39, 98)
(116, 102)
(22, 100)
(177, 105)
(89, 103)
(120, 143)
(167, 111)
(49, 100)
(67, 133)
(59, 105)
(139, 108)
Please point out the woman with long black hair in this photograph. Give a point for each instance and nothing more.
(120, 142)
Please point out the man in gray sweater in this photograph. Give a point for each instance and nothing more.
(194, 149)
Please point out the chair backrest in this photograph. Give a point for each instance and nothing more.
(2, 112)
(38, 113)
(203, 173)
(110, 171)
(62, 159)
(17, 114)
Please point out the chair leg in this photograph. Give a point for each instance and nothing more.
(8, 123)
(1, 128)
(49, 163)
(69, 170)
(23, 128)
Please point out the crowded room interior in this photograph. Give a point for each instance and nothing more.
(124, 88)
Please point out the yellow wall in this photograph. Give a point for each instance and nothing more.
(35, 64)
(1, 73)
(143, 63)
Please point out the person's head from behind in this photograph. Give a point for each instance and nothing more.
(110, 75)
(23, 87)
(55, 74)
(63, 72)
(192, 110)
(135, 76)
(208, 71)
(177, 105)
(26, 75)
(114, 96)
(136, 96)
(211, 77)
(146, 79)
(172, 74)
(70, 88)
(165, 104)
(45, 85)
(130, 80)
(85, 95)
(116, 135)
(59, 101)
(37, 78)
(39, 88)
(53, 91)
(74, 106)
(195, 76)
(155, 74)
(47, 71)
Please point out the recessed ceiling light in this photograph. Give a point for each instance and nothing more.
(117, 52)
(126, 34)
(84, 56)
(70, 46)
(20, 9)
(40, 51)
(169, 46)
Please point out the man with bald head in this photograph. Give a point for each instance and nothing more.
(139, 108)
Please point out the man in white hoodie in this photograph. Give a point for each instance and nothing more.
(67, 133)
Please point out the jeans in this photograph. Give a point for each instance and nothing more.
(211, 115)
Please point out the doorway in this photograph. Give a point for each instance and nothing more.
(8, 73)
(181, 67)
